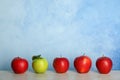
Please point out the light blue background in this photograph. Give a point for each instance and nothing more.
(59, 27)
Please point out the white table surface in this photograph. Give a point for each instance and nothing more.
(51, 75)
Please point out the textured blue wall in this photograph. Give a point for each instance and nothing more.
(59, 27)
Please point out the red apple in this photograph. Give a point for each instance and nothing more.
(104, 65)
(82, 64)
(61, 64)
(19, 65)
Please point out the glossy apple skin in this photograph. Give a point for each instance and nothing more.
(82, 64)
(40, 65)
(61, 65)
(104, 65)
(19, 65)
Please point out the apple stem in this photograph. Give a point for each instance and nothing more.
(103, 55)
(36, 57)
(83, 54)
(39, 55)
(60, 55)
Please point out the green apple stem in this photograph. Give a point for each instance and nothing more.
(39, 55)
(36, 57)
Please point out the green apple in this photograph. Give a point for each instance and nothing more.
(39, 64)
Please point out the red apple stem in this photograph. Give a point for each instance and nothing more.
(60, 55)
(83, 54)
(103, 55)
